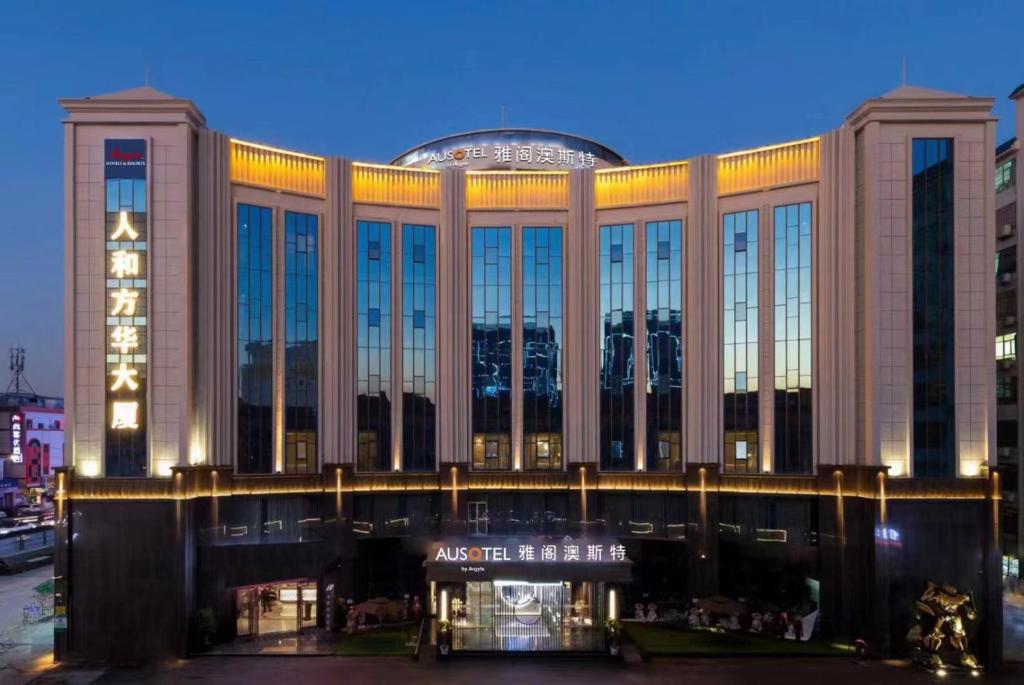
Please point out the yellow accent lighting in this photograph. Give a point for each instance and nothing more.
(767, 167)
(270, 167)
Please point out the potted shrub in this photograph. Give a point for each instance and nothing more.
(612, 633)
(444, 636)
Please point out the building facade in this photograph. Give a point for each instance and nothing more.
(31, 440)
(1009, 201)
(510, 365)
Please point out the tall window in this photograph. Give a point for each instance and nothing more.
(617, 432)
(1006, 175)
(300, 354)
(739, 336)
(492, 348)
(542, 348)
(373, 372)
(932, 248)
(255, 340)
(419, 378)
(664, 345)
(126, 234)
(793, 434)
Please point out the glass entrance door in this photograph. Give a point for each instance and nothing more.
(517, 616)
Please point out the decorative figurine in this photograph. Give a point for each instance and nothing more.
(939, 639)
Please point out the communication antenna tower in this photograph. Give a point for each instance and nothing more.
(17, 355)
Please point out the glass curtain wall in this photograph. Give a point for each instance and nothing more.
(740, 337)
(933, 301)
(373, 366)
(542, 347)
(617, 431)
(492, 347)
(664, 346)
(255, 340)
(301, 361)
(793, 432)
(419, 375)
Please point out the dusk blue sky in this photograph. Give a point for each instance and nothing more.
(653, 80)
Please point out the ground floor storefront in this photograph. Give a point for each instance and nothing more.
(532, 572)
(275, 608)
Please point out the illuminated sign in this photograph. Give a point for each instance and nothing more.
(126, 315)
(528, 558)
(124, 159)
(530, 551)
(16, 425)
(521, 155)
(507, 149)
(888, 537)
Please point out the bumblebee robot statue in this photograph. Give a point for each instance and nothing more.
(939, 638)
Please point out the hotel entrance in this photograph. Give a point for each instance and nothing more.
(526, 594)
(520, 616)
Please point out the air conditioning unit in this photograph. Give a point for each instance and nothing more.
(1005, 451)
(1010, 320)
(1006, 279)
(1006, 230)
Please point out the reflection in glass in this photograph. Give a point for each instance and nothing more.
(300, 353)
(932, 246)
(664, 345)
(492, 348)
(373, 346)
(793, 431)
(739, 341)
(419, 393)
(255, 340)
(617, 432)
(542, 348)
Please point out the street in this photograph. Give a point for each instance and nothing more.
(25, 649)
(496, 671)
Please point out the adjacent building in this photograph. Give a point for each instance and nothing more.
(1009, 201)
(32, 443)
(513, 374)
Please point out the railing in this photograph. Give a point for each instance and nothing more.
(204, 482)
(391, 185)
(517, 190)
(641, 185)
(267, 167)
(768, 167)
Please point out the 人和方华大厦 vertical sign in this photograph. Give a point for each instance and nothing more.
(125, 167)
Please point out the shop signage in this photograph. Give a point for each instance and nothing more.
(126, 281)
(16, 425)
(567, 551)
(124, 158)
(512, 155)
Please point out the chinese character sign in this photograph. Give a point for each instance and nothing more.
(126, 309)
(512, 155)
(16, 425)
(529, 552)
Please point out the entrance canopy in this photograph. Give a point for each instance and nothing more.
(528, 559)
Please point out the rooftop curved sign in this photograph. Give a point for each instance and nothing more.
(511, 148)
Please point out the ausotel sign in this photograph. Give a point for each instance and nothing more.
(471, 554)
